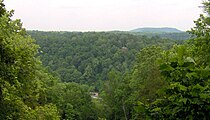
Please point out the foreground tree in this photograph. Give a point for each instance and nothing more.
(20, 83)
(115, 94)
(186, 70)
(73, 101)
(146, 80)
(202, 40)
(187, 93)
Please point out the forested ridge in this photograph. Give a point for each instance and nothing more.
(174, 36)
(137, 77)
(88, 57)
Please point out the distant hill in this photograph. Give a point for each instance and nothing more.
(165, 33)
(157, 30)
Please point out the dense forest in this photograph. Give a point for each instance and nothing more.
(51, 75)
(88, 57)
(180, 36)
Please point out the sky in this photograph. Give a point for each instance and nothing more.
(104, 15)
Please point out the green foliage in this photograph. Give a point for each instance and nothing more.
(187, 95)
(72, 100)
(202, 33)
(115, 94)
(101, 108)
(88, 57)
(157, 84)
(91, 58)
(178, 38)
(186, 70)
(2, 8)
(145, 80)
(128, 96)
(46, 112)
(20, 85)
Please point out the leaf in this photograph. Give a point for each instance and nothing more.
(140, 107)
(198, 87)
(188, 64)
(166, 67)
(140, 103)
(192, 75)
(189, 59)
(156, 109)
(181, 87)
(205, 73)
(184, 100)
(204, 96)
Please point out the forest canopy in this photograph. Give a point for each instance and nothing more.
(88, 57)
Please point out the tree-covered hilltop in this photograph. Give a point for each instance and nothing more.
(88, 57)
(156, 30)
(165, 33)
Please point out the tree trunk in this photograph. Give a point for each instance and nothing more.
(124, 111)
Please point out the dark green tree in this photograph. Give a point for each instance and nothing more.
(186, 70)
(20, 83)
(202, 40)
(145, 80)
(187, 93)
(116, 92)
(73, 101)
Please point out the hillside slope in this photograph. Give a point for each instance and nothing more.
(88, 57)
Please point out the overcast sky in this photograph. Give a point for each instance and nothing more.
(104, 15)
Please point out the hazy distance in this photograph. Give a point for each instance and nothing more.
(104, 15)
